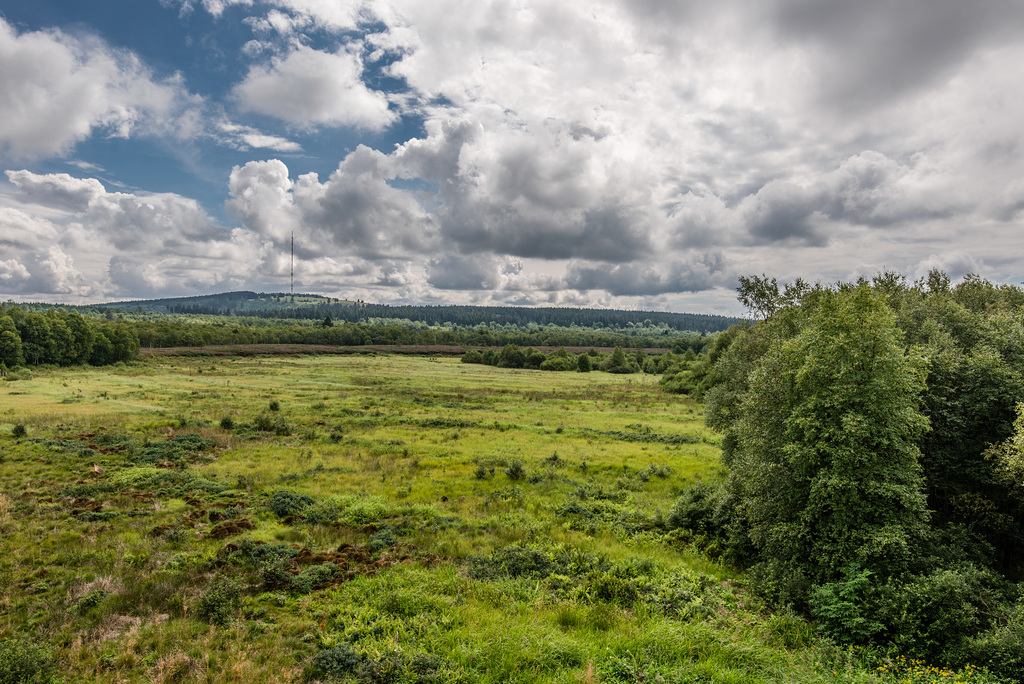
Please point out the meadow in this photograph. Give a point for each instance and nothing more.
(372, 518)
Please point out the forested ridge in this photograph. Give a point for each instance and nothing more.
(875, 478)
(303, 307)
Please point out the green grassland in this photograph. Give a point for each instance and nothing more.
(371, 519)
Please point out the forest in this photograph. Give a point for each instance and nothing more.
(873, 437)
(315, 308)
(60, 338)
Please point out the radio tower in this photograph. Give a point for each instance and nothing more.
(292, 263)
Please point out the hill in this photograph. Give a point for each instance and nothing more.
(316, 307)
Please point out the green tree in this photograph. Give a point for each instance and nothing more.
(511, 357)
(826, 461)
(10, 348)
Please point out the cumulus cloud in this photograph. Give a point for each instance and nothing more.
(58, 190)
(56, 89)
(604, 152)
(93, 242)
(309, 88)
(355, 211)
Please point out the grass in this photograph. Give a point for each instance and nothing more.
(433, 522)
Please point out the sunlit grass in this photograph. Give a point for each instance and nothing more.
(457, 462)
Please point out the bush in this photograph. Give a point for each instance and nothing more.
(22, 661)
(314, 578)
(365, 511)
(473, 356)
(841, 608)
(278, 425)
(515, 470)
(227, 423)
(18, 431)
(220, 602)
(337, 661)
(583, 363)
(1001, 648)
(512, 561)
(694, 509)
(285, 503)
(932, 616)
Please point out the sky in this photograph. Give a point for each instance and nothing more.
(636, 154)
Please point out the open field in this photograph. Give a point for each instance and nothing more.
(370, 519)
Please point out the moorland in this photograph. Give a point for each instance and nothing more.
(378, 517)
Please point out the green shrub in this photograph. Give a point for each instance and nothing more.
(472, 356)
(1000, 649)
(227, 422)
(583, 363)
(337, 661)
(314, 578)
(275, 405)
(932, 616)
(842, 610)
(18, 431)
(323, 512)
(284, 503)
(515, 470)
(25, 662)
(365, 511)
(694, 509)
(220, 601)
(277, 424)
(512, 561)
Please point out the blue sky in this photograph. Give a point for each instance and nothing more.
(604, 153)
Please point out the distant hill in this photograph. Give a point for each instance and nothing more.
(281, 305)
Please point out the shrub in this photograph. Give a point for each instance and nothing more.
(515, 470)
(366, 511)
(842, 610)
(275, 405)
(473, 356)
(694, 509)
(22, 660)
(284, 503)
(18, 431)
(322, 512)
(219, 603)
(314, 578)
(1001, 648)
(583, 363)
(337, 661)
(227, 423)
(512, 561)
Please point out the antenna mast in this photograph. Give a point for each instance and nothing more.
(292, 263)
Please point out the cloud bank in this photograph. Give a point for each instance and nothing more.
(601, 153)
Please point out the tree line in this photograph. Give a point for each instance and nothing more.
(875, 479)
(61, 338)
(176, 333)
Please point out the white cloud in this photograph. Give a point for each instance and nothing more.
(310, 88)
(56, 89)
